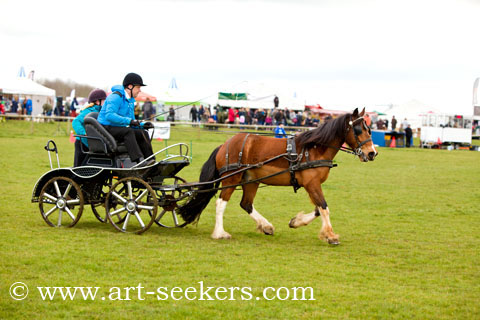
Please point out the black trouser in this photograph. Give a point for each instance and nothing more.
(79, 154)
(136, 140)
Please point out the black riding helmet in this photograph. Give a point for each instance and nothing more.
(134, 79)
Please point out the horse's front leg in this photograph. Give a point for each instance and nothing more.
(316, 195)
(326, 233)
(302, 219)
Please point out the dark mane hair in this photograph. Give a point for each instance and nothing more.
(323, 135)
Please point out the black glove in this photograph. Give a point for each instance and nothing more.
(134, 123)
(147, 125)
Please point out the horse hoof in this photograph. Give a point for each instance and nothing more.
(291, 224)
(269, 230)
(334, 242)
(225, 235)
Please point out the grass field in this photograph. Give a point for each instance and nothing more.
(409, 224)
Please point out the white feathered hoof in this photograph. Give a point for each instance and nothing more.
(221, 235)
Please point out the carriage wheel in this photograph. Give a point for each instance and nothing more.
(168, 217)
(133, 201)
(61, 202)
(98, 207)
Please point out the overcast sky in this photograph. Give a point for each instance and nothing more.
(352, 53)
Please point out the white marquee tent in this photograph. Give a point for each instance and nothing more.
(24, 87)
(260, 95)
(412, 110)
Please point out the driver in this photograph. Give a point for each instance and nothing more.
(117, 116)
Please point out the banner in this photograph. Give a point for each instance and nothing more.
(232, 96)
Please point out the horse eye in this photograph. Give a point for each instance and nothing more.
(357, 130)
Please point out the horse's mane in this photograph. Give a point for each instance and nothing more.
(323, 135)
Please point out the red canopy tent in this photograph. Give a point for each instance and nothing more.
(142, 96)
(317, 109)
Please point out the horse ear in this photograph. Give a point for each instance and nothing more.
(355, 113)
(362, 113)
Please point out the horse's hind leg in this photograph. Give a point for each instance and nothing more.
(249, 192)
(221, 204)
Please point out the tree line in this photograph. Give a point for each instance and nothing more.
(64, 87)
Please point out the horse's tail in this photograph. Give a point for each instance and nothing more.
(191, 211)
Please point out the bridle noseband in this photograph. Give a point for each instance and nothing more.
(358, 150)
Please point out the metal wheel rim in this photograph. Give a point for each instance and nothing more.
(61, 202)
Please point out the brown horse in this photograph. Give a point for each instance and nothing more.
(251, 154)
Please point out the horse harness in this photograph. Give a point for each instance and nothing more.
(356, 132)
(290, 155)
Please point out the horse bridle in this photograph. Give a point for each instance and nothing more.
(358, 150)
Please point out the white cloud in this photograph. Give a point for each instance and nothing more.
(334, 52)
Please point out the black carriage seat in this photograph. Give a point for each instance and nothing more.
(105, 142)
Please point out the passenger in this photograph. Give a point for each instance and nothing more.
(118, 118)
(95, 102)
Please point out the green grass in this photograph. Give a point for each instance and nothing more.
(409, 225)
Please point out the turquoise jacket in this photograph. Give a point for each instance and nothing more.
(117, 111)
(78, 122)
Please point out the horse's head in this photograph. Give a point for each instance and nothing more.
(359, 136)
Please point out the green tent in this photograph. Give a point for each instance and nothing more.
(232, 96)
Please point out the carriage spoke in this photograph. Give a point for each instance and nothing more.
(59, 223)
(50, 197)
(124, 227)
(73, 201)
(160, 216)
(117, 212)
(57, 189)
(174, 215)
(144, 192)
(50, 211)
(119, 197)
(145, 207)
(129, 185)
(70, 213)
(67, 190)
(139, 219)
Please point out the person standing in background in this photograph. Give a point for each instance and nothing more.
(147, 110)
(408, 136)
(193, 113)
(394, 123)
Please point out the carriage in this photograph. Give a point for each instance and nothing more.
(130, 196)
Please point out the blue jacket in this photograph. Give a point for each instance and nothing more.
(280, 132)
(117, 111)
(78, 122)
